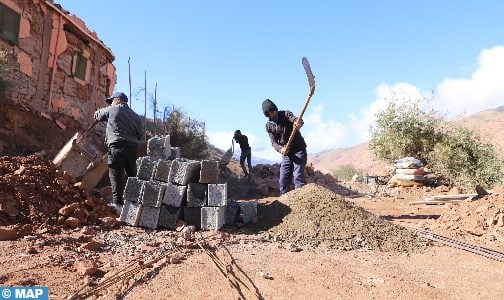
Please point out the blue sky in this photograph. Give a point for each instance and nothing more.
(218, 60)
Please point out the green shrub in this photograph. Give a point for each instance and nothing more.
(463, 159)
(404, 129)
(188, 134)
(346, 172)
(457, 154)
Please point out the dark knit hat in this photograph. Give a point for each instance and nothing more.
(268, 106)
(237, 133)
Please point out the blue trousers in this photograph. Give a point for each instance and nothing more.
(292, 165)
(246, 154)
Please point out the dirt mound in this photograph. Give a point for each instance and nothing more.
(479, 220)
(36, 197)
(316, 216)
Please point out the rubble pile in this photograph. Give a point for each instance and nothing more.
(478, 220)
(37, 197)
(315, 216)
(266, 176)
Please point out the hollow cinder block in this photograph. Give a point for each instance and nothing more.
(192, 216)
(174, 153)
(232, 210)
(134, 189)
(174, 195)
(168, 216)
(196, 194)
(130, 213)
(167, 147)
(153, 193)
(155, 147)
(146, 167)
(149, 217)
(217, 194)
(162, 171)
(248, 210)
(184, 171)
(209, 172)
(213, 218)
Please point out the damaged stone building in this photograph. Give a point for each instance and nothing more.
(58, 66)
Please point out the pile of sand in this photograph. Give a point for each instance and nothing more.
(316, 216)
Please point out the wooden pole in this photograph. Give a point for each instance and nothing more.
(145, 106)
(129, 76)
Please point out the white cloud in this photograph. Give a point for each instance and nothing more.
(360, 123)
(483, 90)
(322, 135)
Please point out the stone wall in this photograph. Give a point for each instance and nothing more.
(47, 31)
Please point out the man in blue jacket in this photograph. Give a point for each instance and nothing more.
(279, 128)
(122, 136)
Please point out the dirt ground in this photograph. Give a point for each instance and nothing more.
(308, 244)
(330, 240)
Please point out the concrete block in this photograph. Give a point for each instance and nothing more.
(168, 216)
(149, 217)
(184, 171)
(209, 172)
(232, 210)
(167, 147)
(248, 210)
(174, 153)
(153, 193)
(217, 194)
(196, 194)
(146, 167)
(130, 213)
(155, 147)
(213, 218)
(175, 195)
(192, 216)
(134, 189)
(162, 171)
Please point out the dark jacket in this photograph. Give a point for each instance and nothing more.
(280, 130)
(123, 124)
(243, 141)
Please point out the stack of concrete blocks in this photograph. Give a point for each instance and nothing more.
(167, 186)
(206, 199)
(144, 194)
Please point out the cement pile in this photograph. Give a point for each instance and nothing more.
(36, 197)
(316, 216)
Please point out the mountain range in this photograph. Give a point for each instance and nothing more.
(490, 123)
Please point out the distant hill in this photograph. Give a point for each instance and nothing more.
(489, 122)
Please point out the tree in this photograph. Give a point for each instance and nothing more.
(404, 129)
(187, 134)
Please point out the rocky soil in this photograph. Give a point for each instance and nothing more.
(328, 240)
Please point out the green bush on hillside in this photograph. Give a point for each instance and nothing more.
(457, 154)
(346, 172)
(188, 134)
(463, 159)
(404, 129)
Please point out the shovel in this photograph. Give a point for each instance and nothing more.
(311, 82)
